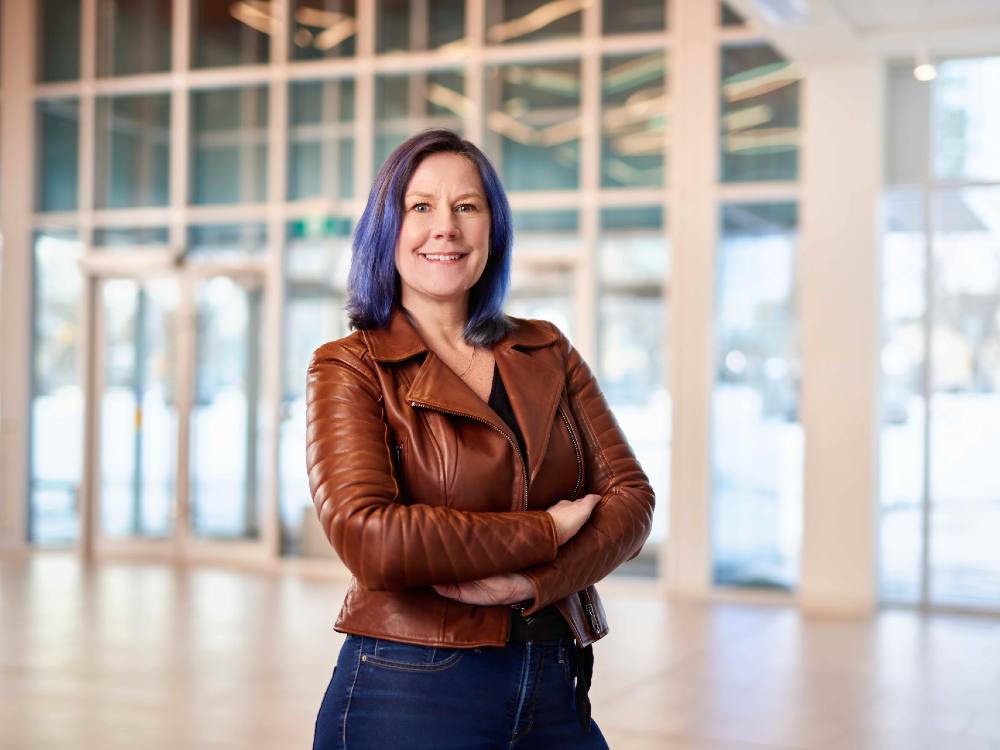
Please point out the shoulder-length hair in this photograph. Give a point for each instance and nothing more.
(373, 282)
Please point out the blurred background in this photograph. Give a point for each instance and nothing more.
(772, 227)
(181, 180)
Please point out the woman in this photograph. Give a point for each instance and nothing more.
(468, 471)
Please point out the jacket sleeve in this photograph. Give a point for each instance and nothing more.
(386, 543)
(621, 521)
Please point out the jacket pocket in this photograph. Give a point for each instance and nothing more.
(397, 454)
(577, 450)
(398, 469)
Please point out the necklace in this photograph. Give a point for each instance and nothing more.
(474, 349)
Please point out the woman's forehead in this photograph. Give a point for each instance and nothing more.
(439, 167)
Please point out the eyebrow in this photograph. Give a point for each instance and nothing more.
(473, 194)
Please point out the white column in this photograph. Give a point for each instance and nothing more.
(17, 181)
(839, 257)
(692, 175)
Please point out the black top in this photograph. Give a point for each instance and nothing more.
(501, 405)
(548, 620)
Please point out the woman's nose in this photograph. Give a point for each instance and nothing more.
(445, 225)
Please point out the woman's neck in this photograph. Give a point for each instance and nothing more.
(438, 322)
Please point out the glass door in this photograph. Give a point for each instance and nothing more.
(178, 449)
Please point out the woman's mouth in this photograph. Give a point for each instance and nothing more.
(444, 258)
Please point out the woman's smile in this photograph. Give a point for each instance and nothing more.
(443, 258)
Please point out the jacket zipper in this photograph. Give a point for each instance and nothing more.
(513, 443)
(576, 447)
(399, 458)
(588, 607)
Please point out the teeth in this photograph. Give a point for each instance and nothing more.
(442, 257)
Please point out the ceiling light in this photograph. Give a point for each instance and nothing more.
(924, 69)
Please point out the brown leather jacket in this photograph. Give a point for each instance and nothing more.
(417, 481)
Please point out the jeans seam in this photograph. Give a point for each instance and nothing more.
(350, 694)
(522, 689)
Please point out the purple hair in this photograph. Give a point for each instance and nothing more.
(373, 282)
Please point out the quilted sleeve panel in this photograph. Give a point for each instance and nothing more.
(386, 544)
(621, 521)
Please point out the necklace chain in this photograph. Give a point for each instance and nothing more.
(474, 349)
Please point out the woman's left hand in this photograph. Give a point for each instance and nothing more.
(506, 588)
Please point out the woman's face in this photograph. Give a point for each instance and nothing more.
(444, 214)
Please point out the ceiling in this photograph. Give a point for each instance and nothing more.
(872, 16)
(891, 29)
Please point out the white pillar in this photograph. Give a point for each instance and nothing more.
(17, 180)
(839, 257)
(693, 175)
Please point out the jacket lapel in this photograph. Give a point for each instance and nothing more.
(533, 387)
(533, 384)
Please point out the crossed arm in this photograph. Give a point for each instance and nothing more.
(389, 545)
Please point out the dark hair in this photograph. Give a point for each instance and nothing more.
(373, 282)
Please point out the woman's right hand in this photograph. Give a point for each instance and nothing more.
(571, 515)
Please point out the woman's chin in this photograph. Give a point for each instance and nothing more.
(444, 292)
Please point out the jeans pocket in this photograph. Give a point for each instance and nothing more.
(411, 657)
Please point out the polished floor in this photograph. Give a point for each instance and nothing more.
(147, 656)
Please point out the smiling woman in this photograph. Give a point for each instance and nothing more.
(465, 466)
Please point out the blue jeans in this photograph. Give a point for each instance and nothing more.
(387, 695)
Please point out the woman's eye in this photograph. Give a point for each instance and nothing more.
(470, 205)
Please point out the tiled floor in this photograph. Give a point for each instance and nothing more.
(146, 656)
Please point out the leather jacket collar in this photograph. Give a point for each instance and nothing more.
(399, 340)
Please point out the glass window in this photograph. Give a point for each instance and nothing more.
(321, 139)
(228, 33)
(133, 36)
(533, 124)
(229, 145)
(903, 408)
(635, 16)
(965, 398)
(56, 460)
(132, 143)
(130, 238)
(760, 115)
(631, 333)
(406, 104)
(318, 258)
(227, 449)
(966, 119)
(408, 26)
(138, 416)
(633, 120)
(58, 123)
(543, 291)
(57, 56)
(555, 232)
(517, 21)
(757, 441)
(322, 28)
(217, 241)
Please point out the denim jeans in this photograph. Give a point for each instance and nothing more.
(387, 695)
